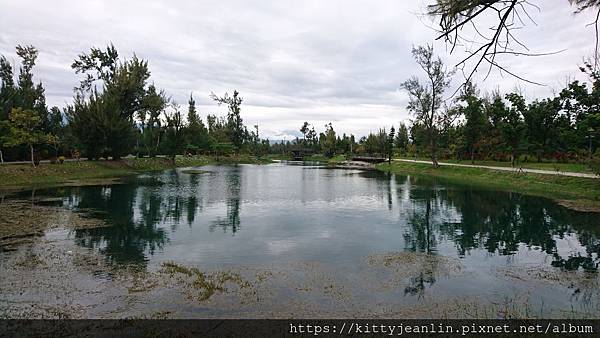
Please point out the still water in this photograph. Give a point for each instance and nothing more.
(271, 215)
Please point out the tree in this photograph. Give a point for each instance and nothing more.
(402, 140)
(155, 102)
(111, 110)
(474, 116)
(4, 137)
(390, 144)
(504, 16)
(237, 132)
(29, 95)
(196, 132)
(540, 119)
(304, 130)
(512, 126)
(329, 140)
(56, 128)
(7, 88)
(23, 111)
(582, 107)
(255, 136)
(6, 97)
(175, 132)
(25, 129)
(312, 136)
(425, 99)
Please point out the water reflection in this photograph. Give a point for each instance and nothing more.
(233, 188)
(130, 237)
(499, 222)
(245, 213)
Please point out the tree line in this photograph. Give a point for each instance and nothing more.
(503, 127)
(117, 111)
(475, 126)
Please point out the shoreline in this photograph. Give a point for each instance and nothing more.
(20, 177)
(575, 193)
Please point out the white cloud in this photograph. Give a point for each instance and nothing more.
(316, 61)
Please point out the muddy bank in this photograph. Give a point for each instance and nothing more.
(353, 165)
(581, 205)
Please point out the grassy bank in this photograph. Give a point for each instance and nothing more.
(552, 166)
(323, 158)
(90, 172)
(582, 193)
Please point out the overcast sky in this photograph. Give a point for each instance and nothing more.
(293, 61)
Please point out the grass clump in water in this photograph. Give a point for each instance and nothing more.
(201, 285)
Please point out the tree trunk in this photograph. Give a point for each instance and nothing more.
(157, 143)
(512, 159)
(433, 145)
(32, 157)
(1, 157)
(472, 157)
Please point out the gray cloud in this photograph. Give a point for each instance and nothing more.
(315, 61)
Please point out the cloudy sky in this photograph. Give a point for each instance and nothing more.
(293, 61)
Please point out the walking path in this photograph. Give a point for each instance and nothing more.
(521, 170)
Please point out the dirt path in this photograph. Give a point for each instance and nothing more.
(523, 170)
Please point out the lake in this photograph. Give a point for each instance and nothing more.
(303, 239)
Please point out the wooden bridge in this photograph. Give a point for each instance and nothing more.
(369, 159)
(298, 154)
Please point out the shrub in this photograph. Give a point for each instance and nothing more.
(594, 163)
(61, 159)
(524, 158)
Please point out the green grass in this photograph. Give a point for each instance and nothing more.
(86, 172)
(323, 158)
(552, 166)
(238, 159)
(279, 157)
(552, 186)
(337, 158)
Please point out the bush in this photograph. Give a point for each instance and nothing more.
(594, 163)
(61, 159)
(524, 158)
(191, 149)
(220, 149)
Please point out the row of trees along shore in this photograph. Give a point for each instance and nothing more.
(118, 111)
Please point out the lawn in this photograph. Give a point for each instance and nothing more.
(552, 166)
(585, 190)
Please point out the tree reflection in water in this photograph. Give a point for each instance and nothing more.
(232, 196)
(499, 222)
(127, 238)
(430, 212)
